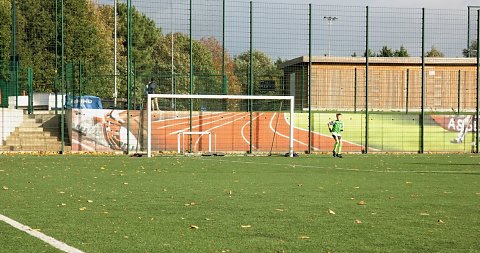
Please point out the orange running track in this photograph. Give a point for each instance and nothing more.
(231, 133)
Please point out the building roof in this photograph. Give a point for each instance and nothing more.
(380, 61)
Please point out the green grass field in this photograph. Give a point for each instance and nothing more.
(382, 203)
(390, 132)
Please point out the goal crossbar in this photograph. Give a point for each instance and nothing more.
(231, 97)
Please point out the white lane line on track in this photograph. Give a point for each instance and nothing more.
(177, 118)
(227, 123)
(243, 127)
(203, 124)
(50, 240)
(287, 137)
(187, 122)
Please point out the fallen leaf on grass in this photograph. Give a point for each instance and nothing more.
(279, 210)
(193, 226)
(440, 222)
(62, 204)
(330, 211)
(303, 237)
(246, 226)
(357, 221)
(361, 203)
(424, 214)
(90, 201)
(408, 182)
(5, 188)
(82, 208)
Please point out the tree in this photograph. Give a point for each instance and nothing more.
(5, 37)
(434, 53)
(385, 52)
(471, 51)
(402, 52)
(206, 77)
(145, 36)
(214, 46)
(263, 67)
(86, 39)
(370, 53)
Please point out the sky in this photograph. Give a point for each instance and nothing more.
(281, 26)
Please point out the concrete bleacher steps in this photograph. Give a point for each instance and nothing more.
(38, 132)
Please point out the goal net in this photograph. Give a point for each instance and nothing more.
(219, 124)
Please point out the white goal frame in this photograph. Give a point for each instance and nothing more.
(231, 97)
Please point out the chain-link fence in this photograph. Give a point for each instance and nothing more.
(405, 80)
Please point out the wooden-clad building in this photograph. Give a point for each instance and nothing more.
(394, 83)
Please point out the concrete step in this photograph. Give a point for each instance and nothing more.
(33, 148)
(30, 135)
(36, 141)
(28, 129)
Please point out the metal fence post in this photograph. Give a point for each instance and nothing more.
(366, 82)
(310, 78)
(30, 90)
(355, 92)
(478, 83)
(129, 69)
(406, 92)
(251, 77)
(56, 58)
(422, 114)
(459, 91)
(14, 58)
(468, 31)
(224, 79)
(62, 127)
(191, 75)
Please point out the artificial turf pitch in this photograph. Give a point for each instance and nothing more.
(362, 203)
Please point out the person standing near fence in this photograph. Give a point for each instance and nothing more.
(336, 128)
(151, 88)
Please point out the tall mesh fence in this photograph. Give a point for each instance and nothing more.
(404, 79)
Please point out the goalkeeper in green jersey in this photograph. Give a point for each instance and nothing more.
(336, 128)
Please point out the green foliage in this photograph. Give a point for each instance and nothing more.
(385, 52)
(263, 68)
(371, 53)
(207, 80)
(5, 37)
(86, 39)
(402, 52)
(146, 35)
(434, 53)
(471, 51)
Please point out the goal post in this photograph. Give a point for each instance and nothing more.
(177, 97)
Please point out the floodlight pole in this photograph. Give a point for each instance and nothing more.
(330, 22)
